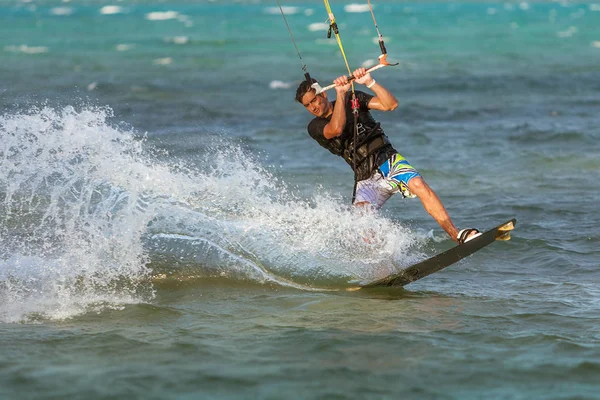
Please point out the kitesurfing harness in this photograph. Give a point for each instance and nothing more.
(360, 145)
(357, 155)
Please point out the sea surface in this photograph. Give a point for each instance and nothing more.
(168, 229)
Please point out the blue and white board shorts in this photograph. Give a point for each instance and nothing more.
(391, 177)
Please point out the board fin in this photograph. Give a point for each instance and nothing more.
(504, 230)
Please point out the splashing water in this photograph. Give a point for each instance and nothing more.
(91, 214)
(75, 203)
(241, 222)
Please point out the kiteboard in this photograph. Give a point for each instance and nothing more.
(445, 259)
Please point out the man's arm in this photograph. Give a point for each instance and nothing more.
(336, 125)
(383, 100)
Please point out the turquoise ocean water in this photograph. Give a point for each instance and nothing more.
(169, 230)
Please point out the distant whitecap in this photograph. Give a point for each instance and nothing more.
(279, 85)
(567, 33)
(92, 86)
(594, 7)
(288, 10)
(492, 11)
(524, 6)
(124, 47)
(61, 11)
(183, 18)
(376, 40)
(177, 40)
(318, 26)
(308, 12)
(26, 49)
(109, 10)
(368, 63)
(356, 8)
(162, 15)
(577, 14)
(163, 61)
(596, 44)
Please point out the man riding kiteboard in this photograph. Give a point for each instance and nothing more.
(379, 170)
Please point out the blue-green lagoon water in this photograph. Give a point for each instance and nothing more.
(169, 230)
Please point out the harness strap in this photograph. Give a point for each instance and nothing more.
(355, 112)
(354, 166)
(366, 150)
(367, 139)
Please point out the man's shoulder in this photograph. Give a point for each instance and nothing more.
(363, 95)
(317, 122)
(316, 126)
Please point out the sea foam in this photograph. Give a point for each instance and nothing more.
(92, 213)
(110, 10)
(162, 15)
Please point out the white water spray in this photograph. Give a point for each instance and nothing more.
(90, 214)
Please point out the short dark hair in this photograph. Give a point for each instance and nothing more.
(304, 88)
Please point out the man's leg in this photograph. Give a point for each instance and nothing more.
(432, 204)
(372, 192)
(401, 175)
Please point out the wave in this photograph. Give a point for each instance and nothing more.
(93, 213)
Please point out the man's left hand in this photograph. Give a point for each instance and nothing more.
(362, 77)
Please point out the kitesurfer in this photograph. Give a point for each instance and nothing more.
(380, 171)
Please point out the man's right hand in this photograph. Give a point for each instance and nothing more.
(342, 85)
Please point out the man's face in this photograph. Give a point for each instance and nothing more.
(316, 104)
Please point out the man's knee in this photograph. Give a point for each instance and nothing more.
(418, 186)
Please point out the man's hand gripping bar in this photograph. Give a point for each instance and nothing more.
(382, 63)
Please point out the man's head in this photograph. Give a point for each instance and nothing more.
(316, 104)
